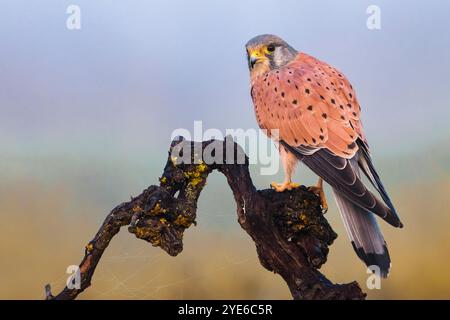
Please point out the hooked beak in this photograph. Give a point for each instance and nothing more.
(253, 60)
(254, 57)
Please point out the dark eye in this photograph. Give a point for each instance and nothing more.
(270, 48)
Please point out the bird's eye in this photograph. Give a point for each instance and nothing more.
(271, 48)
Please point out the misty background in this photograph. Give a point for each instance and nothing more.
(86, 118)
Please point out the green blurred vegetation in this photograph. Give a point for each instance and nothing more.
(48, 222)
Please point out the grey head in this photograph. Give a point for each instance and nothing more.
(267, 52)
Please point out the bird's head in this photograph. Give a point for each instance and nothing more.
(267, 52)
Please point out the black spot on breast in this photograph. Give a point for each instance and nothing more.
(342, 117)
(307, 91)
(333, 101)
(341, 106)
(321, 97)
(349, 105)
(296, 141)
(354, 113)
(321, 137)
(324, 115)
(309, 79)
(296, 87)
(310, 108)
(276, 89)
(350, 95)
(352, 145)
(282, 94)
(288, 81)
(294, 101)
(314, 140)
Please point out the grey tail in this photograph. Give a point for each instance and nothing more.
(364, 233)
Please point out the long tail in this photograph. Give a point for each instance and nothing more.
(364, 233)
(356, 203)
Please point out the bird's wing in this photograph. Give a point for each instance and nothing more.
(343, 178)
(317, 114)
(311, 104)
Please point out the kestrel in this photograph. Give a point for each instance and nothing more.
(311, 109)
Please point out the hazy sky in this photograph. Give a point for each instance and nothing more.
(103, 101)
(138, 69)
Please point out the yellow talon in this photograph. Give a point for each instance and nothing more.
(318, 190)
(281, 187)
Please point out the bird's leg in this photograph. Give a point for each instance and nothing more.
(318, 190)
(286, 185)
(289, 161)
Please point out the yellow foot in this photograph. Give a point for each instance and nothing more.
(318, 190)
(280, 187)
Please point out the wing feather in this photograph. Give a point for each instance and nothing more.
(311, 104)
(316, 111)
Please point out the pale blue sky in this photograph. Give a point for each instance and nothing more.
(106, 98)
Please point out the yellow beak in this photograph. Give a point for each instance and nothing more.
(255, 56)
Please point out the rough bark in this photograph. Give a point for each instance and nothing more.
(289, 230)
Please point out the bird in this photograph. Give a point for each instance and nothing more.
(310, 109)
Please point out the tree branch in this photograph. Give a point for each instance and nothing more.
(290, 233)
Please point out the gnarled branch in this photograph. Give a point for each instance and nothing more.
(290, 233)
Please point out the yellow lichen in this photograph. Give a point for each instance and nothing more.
(89, 247)
(157, 209)
(195, 176)
(140, 233)
(202, 166)
(302, 217)
(182, 221)
(145, 233)
(163, 180)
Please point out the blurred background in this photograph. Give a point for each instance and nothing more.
(86, 118)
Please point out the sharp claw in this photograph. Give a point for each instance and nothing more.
(281, 187)
(323, 201)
